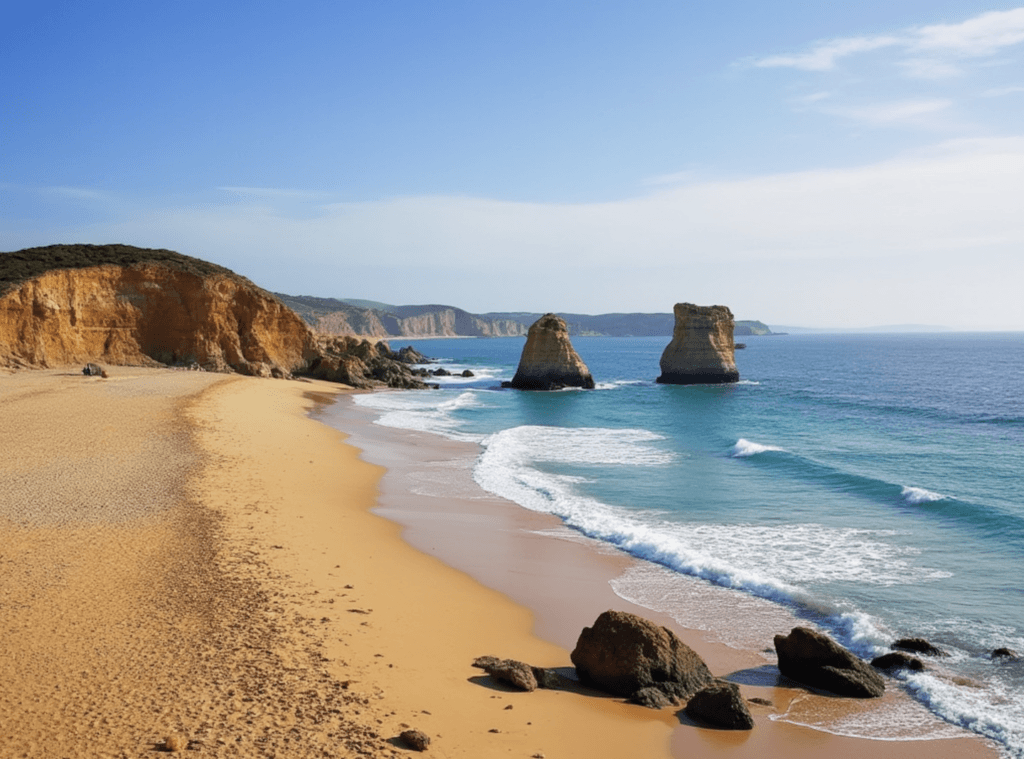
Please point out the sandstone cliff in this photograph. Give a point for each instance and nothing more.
(702, 349)
(549, 361)
(120, 305)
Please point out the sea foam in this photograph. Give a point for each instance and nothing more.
(744, 448)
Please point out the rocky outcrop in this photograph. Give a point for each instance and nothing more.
(918, 646)
(623, 654)
(702, 349)
(897, 660)
(120, 305)
(549, 361)
(720, 705)
(142, 307)
(814, 659)
(362, 363)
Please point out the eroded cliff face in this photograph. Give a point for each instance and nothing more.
(549, 361)
(151, 314)
(702, 350)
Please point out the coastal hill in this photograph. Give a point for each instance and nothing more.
(349, 316)
(62, 305)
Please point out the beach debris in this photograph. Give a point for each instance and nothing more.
(1005, 653)
(702, 350)
(898, 660)
(548, 361)
(918, 646)
(814, 659)
(720, 705)
(175, 742)
(93, 370)
(623, 653)
(417, 740)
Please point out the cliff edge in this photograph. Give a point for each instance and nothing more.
(702, 350)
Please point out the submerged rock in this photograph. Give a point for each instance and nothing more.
(549, 361)
(898, 660)
(815, 659)
(623, 654)
(702, 350)
(918, 646)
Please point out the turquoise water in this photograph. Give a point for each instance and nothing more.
(869, 484)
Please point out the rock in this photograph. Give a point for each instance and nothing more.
(1005, 653)
(467, 373)
(623, 653)
(361, 363)
(652, 698)
(702, 349)
(547, 678)
(515, 673)
(409, 355)
(720, 705)
(549, 361)
(175, 742)
(815, 659)
(918, 646)
(441, 372)
(898, 660)
(92, 370)
(417, 740)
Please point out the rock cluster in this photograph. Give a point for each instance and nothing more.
(549, 361)
(363, 363)
(814, 659)
(702, 350)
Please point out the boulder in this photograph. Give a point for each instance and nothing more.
(417, 740)
(918, 646)
(815, 659)
(623, 653)
(92, 370)
(1005, 653)
(702, 349)
(898, 660)
(720, 705)
(549, 361)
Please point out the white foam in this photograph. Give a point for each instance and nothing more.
(744, 448)
(427, 411)
(914, 496)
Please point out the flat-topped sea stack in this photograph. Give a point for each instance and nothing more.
(549, 361)
(702, 349)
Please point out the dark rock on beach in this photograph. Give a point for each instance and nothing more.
(417, 740)
(814, 659)
(623, 653)
(720, 705)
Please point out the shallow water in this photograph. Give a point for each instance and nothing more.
(867, 484)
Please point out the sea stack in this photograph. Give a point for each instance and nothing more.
(549, 361)
(702, 349)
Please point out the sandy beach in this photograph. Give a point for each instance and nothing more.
(193, 556)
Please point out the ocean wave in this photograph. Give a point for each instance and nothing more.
(423, 411)
(745, 448)
(915, 496)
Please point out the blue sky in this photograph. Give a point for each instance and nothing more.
(804, 163)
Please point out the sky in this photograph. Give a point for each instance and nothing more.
(804, 163)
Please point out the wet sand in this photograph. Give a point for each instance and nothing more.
(191, 555)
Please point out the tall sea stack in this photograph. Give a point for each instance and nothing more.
(702, 349)
(549, 361)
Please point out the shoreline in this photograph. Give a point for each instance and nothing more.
(549, 563)
(201, 555)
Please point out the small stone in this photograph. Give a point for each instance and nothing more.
(175, 742)
(417, 740)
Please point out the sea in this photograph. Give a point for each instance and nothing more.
(868, 485)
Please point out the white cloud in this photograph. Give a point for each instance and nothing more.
(891, 113)
(824, 56)
(982, 35)
(902, 238)
(997, 92)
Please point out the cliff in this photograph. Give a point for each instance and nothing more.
(120, 305)
(702, 349)
(549, 362)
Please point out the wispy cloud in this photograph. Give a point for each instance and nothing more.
(982, 35)
(997, 92)
(892, 113)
